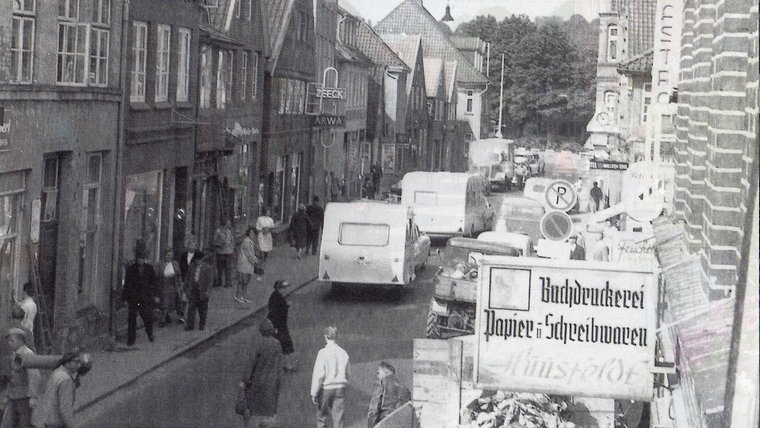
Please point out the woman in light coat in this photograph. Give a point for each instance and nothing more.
(264, 225)
(246, 264)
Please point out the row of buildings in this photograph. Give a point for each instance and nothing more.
(677, 89)
(150, 120)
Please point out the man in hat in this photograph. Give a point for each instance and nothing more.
(23, 383)
(140, 293)
(329, 380)
(389, 394)
(57, 407)
(577, 252)
(278, 314)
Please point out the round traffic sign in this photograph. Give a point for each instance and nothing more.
(556, 225)
(561, 195)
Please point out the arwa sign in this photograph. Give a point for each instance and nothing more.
(566, 327)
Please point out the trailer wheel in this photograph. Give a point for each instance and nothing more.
(431, 329)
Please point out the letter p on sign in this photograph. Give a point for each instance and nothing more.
(561, 195)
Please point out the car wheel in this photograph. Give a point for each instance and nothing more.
(431, 329)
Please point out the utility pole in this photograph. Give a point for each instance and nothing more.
(501, 98)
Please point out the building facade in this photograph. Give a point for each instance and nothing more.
(287, 129)
(61, 105)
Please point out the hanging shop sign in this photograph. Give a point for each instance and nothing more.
(607, 164)
(566, 327)
(329, 121)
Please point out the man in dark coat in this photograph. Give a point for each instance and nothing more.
(377, 173)
(389, 394)
(316, 216)
(278, 314)
(201, 277)
(577, 252)
(191, 253)
(140, 292)
(262, 378)
(299, 229)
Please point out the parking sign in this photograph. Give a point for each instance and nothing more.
(561, 195)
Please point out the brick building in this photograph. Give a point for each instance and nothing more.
(60, 98)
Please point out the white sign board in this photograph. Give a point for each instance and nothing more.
(566, 327)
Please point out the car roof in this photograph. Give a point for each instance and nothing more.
(489, 247)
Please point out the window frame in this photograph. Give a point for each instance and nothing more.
(64, 30)
(612, 42)
(206, 59)
(97, 12)
(134, 70)
(254, 74)
(243, 79)
(101, 62)
(184, 48)
(163, 62)
(67, 6)
(17, 53)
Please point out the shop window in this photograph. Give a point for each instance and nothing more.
(22, 41)
(10, 205)
(143, 213)
(89, 238)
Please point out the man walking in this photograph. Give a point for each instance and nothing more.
(140, 293)
(262, 379)
(389, 394)
(57, 407)
(224, 244)
(377, 173)
(23, 383)
(329, 380)
(596, 197)
(299, 230)
(317, 216)
(201, 279)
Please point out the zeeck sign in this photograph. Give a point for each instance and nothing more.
(566, 327)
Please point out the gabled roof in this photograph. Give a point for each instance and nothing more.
(219, 20)
(639, 21)
(433, 75)
(376, 49)
(406, 47)
(449, 79)
(276, 18)
(412, 18)
(641, 64)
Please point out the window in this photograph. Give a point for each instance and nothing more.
(99, 40)
(364, 234)
(50, 189)
(88, 241)
(72, 52)
(183, 65)
(139, 56)
(254, 74)
(22, 41)
(206, 67)
(646, 101)
(302, 30)
(612, 43)
(224, 79)
(425, 198)
(237, 8)
(10, 210)
(101, 12)
(243, 79)
(163, 51)
(469, 105)
(248, 7)
(68, 9)
(283, 94)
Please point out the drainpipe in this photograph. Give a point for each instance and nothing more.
(119, 166)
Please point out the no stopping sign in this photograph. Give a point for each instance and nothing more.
(556, 225)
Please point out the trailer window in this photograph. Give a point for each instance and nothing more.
(425, 198)
(364, 234)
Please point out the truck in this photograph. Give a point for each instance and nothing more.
(452, 307)
(494, 158)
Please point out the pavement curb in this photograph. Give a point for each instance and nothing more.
(181, 352)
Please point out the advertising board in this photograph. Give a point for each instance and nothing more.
(566, 327)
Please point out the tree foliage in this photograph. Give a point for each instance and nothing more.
(550, 71)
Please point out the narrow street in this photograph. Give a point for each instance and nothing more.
(199, 390)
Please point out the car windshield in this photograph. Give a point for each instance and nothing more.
(521, 159)
(455, 254)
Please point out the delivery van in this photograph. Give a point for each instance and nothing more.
(371, 242)
(448, 203)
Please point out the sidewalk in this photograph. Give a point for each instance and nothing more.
(117, 369)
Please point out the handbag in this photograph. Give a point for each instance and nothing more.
(241, 404)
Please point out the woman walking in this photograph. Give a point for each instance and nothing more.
(261, 381)
(264, 225)
(171, 284)
(278, 314)
(246, 264)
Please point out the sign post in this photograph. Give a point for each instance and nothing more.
(566, 327)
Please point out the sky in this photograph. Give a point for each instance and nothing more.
(466, 10)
